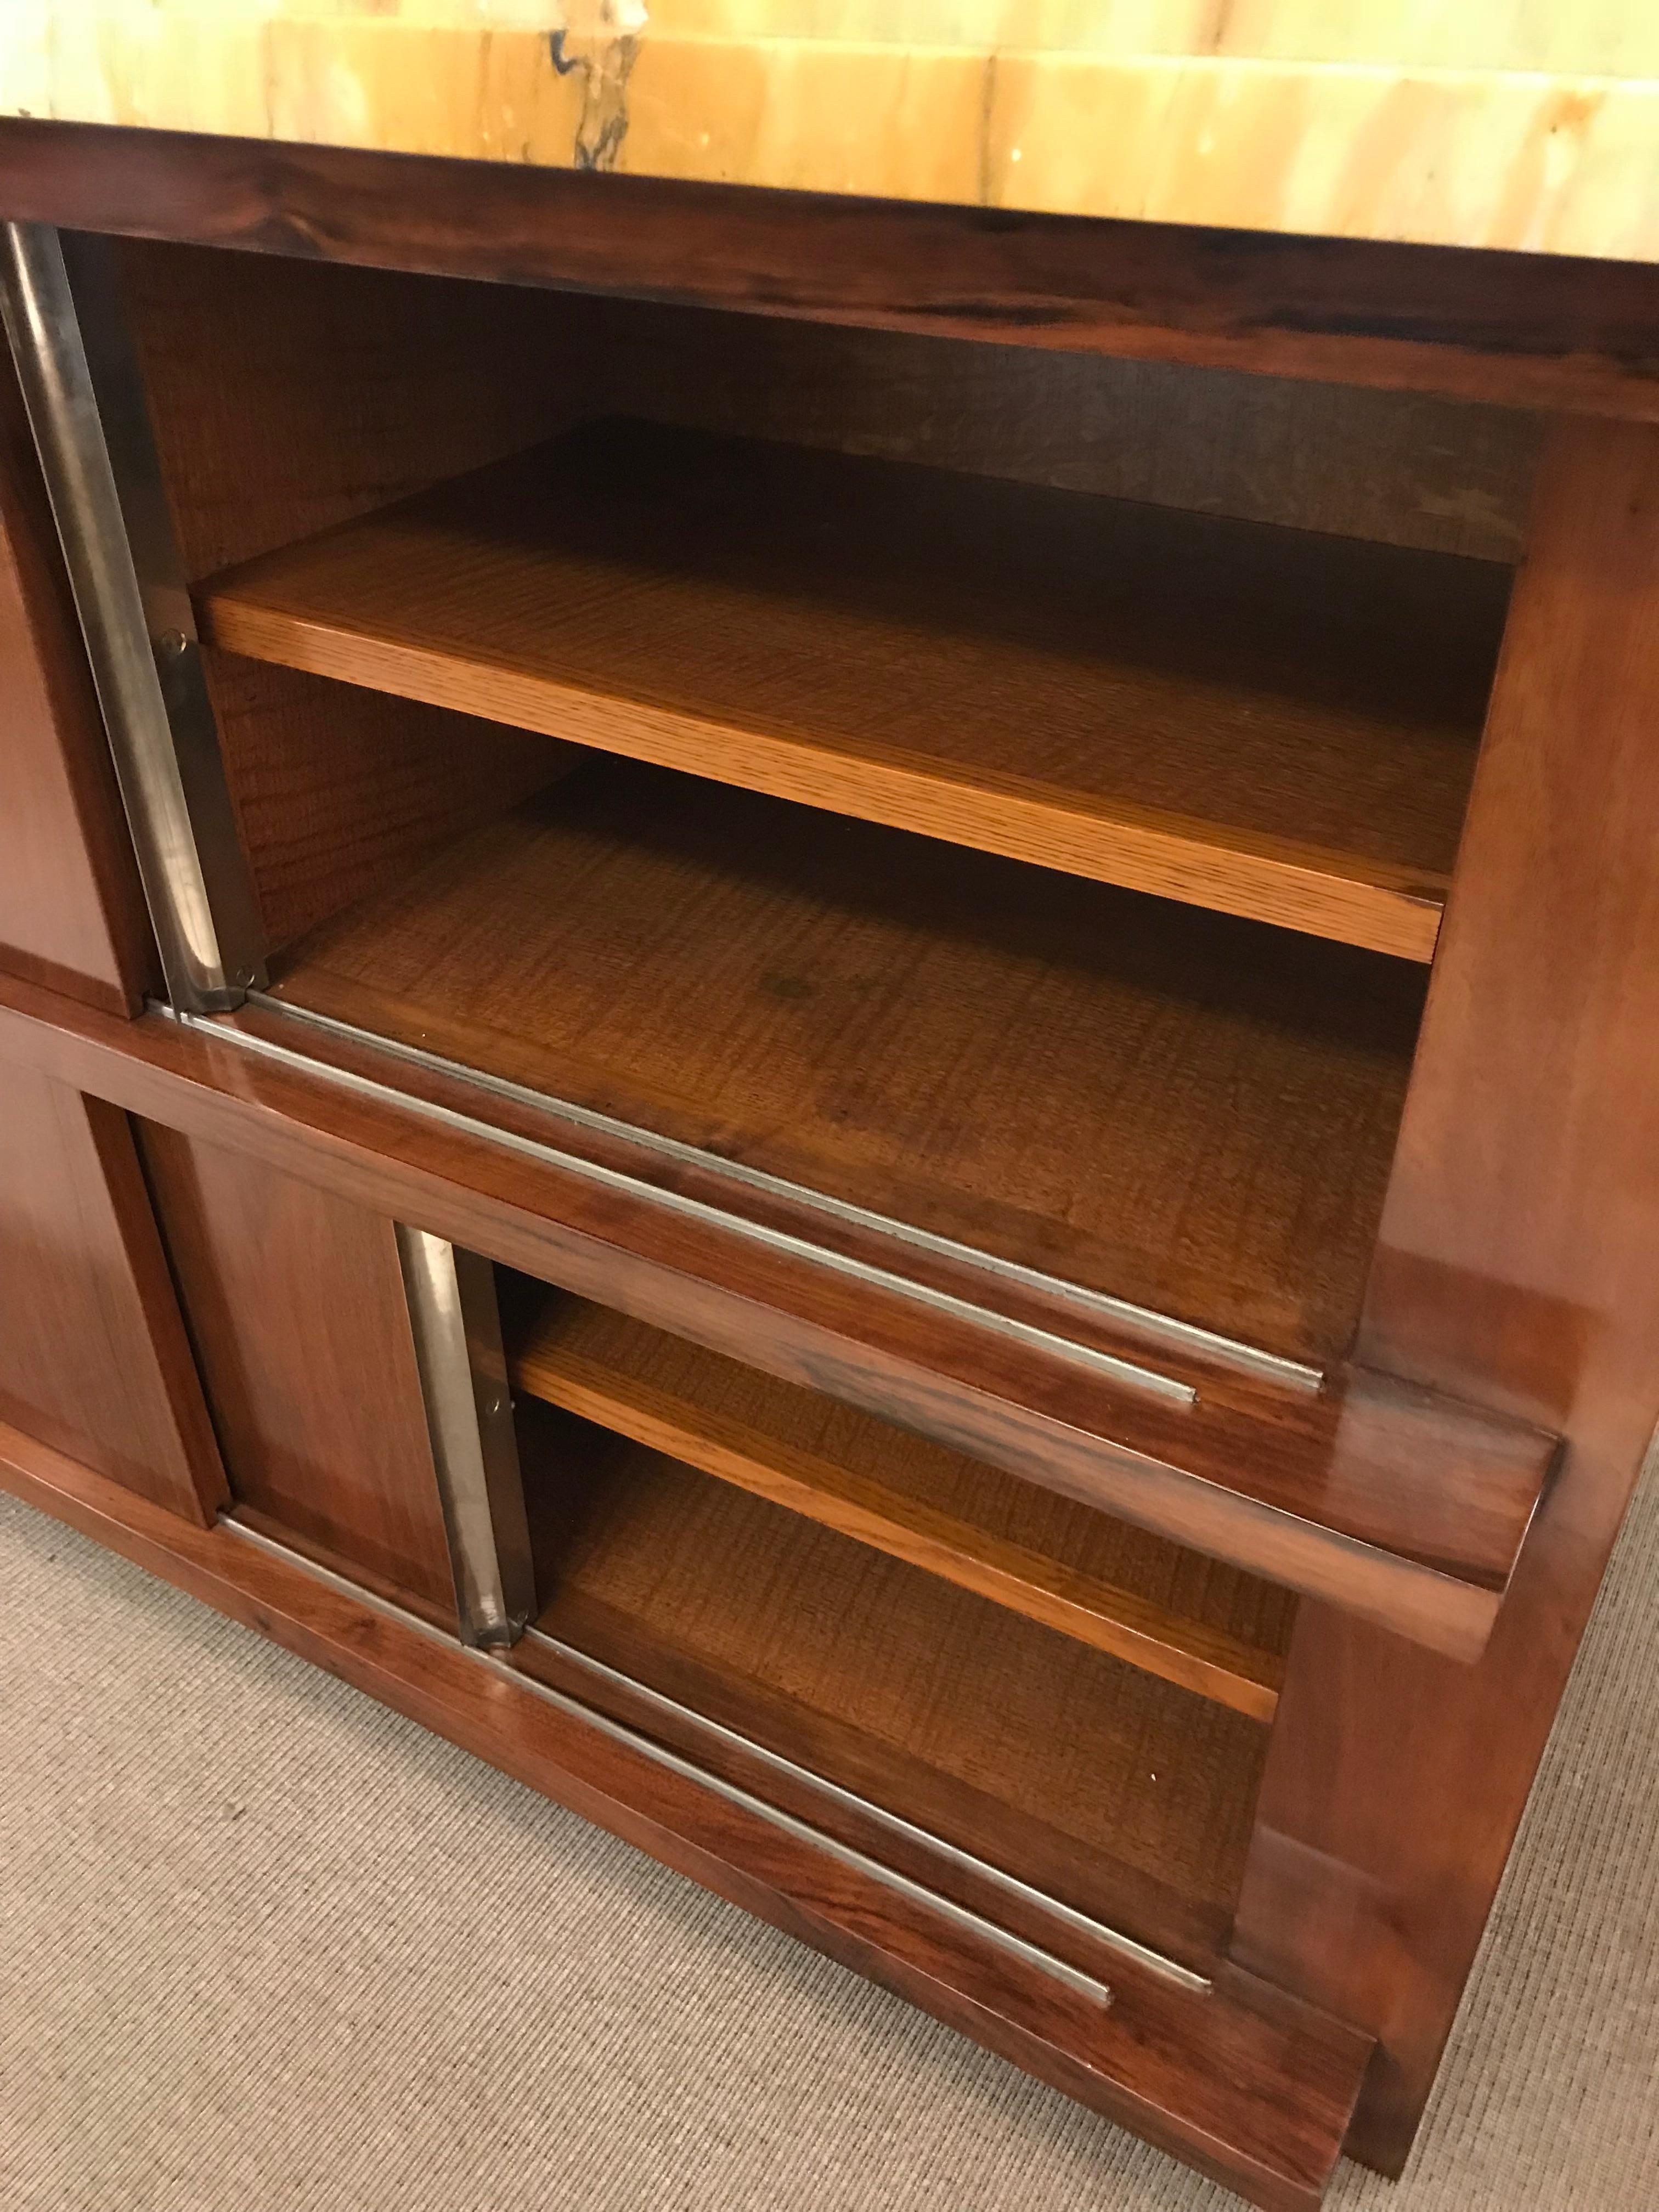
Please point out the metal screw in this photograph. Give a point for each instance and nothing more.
(173, 644)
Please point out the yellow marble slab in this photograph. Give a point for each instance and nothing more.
(1524, 123)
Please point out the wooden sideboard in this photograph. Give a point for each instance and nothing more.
(839, 1020)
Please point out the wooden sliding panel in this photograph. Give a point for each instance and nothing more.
(296, 1302)
(1276, 1482)
(1519, 1261)
(71, 914)
(94, 1357)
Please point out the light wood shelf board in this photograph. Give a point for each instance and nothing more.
(912, 1498)
(1268, 722)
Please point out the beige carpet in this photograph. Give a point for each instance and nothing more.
(264, 1944)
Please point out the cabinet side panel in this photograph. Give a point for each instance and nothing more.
(71, 914)
(296, 1304)
(93, 1356)
(1518, 1266)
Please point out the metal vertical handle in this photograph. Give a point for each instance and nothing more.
(89, 419)
(457, 1347)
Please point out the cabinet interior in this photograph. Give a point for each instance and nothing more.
(938, 1639)
(1005, 798)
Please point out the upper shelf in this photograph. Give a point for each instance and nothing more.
(1269, 722)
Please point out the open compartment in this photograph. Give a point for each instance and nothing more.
(1265, 720)
(966, 889)
(939, 1641)
(1171, 1613)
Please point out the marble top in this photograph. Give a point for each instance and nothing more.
(1524, 123)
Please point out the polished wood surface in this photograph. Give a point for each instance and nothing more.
(1021, 1746)
(71, 914)
(1498, 327)
(1516, 1259)
(1250, 2089)
(1172, 1614)
(1395, 1502)
(1269, 723)
(1518, 127)
(94, 1357)
(295, 1302)
(1194, 1114)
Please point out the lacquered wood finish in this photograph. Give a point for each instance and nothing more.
(94, 1357)
(1310, 1490)
(71, 914)
(296, 1304)
(1269, 723)
(1491, 327)
(1518, 1260)
(1188, 1620)
(1249, 2088)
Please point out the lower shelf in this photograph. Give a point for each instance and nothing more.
(1169, 1611)
(1120, 1795)
(1240, 2080)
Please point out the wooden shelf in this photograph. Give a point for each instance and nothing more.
(1270, 722)
(1169, 1107)
(1103, 1786)
(1173, 1613)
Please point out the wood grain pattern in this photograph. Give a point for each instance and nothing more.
(291, 395)
(1497, 327)
(1273, 724)
(1516, 1259)
(1171, 1613)
(94, 1357)
(1193, 1114)
(913, 1692)
(340, 792)
(71, 913)
(1398, 468)
(285, 398)
(295, 1302)
(1248, 2087)
(1403, 1505)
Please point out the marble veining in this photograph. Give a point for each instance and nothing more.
(1499, 123)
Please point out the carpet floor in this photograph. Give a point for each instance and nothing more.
(264, 1944)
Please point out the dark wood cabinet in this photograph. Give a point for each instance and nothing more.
(295, 1301)
(925, 1167)
(93, 1357)
(71, 914)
